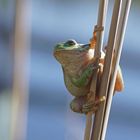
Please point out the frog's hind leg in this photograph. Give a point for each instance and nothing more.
(80, 104)
(77, 104)
(119, 85)
(92, 106)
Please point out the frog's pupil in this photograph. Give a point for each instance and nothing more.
(70, 42)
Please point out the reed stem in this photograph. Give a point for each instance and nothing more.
(103, 4)
(118, 48)
(98, 121)
(19, 99)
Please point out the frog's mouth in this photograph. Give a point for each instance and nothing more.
(76, 52)
(79, 47)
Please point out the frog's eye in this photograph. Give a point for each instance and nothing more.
(70, 43)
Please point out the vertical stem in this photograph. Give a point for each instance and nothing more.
(97, 126)
(88, 126)
(118, 48)
(100, 23)
(20, 81)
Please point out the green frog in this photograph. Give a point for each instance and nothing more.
(78, 64)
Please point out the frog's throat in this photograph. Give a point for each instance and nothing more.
(74, 61)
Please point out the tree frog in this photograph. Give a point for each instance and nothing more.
(77, 61)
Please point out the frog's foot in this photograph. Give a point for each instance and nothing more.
(92, 106)
(95, 67)
(92, 63)
(93, 40)
(89, 108)
(77, 104)
(94, 59)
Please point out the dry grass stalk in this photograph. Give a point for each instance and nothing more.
(19, 99)
(118, 48)
(100, 23)
(97, 126)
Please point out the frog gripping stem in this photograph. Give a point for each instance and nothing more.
(115, 40)
(89, 74)
(96, 42)
(93, 40)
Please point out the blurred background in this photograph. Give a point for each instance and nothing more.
(47, 100)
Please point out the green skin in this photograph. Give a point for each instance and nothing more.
(77, 62)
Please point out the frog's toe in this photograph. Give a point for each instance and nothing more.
(89, 107)
(87, 110)
(92, 106)
(100, 100)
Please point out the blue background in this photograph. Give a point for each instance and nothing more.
(49, 115)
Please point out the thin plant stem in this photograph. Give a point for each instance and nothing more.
(117, 53)
(103, 4)
(98, 121)
(19, 99)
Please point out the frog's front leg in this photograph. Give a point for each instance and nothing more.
(85, 77)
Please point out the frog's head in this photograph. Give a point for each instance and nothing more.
(67, 46)
(70, 51)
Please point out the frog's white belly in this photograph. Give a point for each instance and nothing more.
(74, 90)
